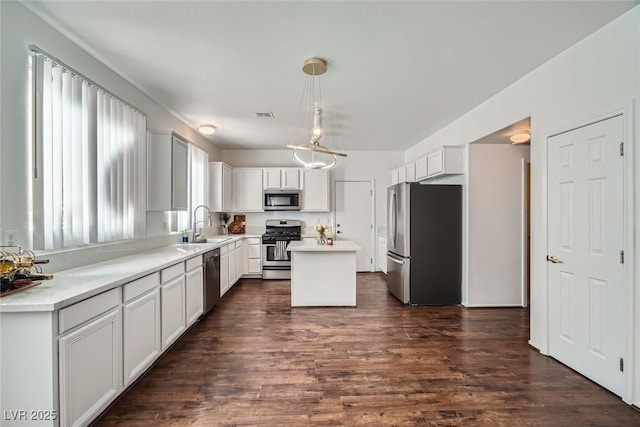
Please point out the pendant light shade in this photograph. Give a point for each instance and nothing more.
(313, 155)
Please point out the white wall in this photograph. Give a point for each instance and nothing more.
(494, 273)
(20, 28)
(598, 75)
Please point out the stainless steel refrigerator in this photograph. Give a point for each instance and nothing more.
(424, 243)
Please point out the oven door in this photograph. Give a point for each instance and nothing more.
(276, 255)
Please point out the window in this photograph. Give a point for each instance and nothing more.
(198, 177)
(89, 156)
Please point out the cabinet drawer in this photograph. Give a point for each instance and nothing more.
(238, 244)
(194, 262)
(254, 240)
(140, 286)
(254, 252)
(78, 313)
(224, 249)
(172, 272)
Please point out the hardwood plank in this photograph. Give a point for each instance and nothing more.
(255, 361)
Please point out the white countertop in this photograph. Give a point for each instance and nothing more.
(312, 246)
(70, 286)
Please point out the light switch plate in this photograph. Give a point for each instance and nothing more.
(9, 237)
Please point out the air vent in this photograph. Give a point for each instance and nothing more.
(265, 115)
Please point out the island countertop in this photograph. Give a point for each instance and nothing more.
(312, 246)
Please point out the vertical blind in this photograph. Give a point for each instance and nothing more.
(89, 155)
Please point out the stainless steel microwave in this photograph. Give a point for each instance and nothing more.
(281, 200)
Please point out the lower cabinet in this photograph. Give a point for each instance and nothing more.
(194, 294)
(90, 367)
(172, 310)
(382, 254)
(231, 250)
(254, 256)
(224, 270)
(141, 334)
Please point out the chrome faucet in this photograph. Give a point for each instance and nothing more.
(195, 222)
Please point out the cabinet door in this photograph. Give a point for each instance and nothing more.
(315, 195)
(232, 265)
(90, 368)
(402, 174)
(435, 162)
(227, 188)
(224, 274)
(271, 178)
(248, 184)
(179, 174)
(194, 289)
(172, 309)
(290, 178)
(410, 172)
(141, 334)
(241, 258)
(421, 170)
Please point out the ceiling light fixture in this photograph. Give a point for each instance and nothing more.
(313, 155)
(207, 129)
(520, 137)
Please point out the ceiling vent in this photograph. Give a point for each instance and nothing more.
(265, 115)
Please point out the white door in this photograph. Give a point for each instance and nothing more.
(587, 316)
(354, 219)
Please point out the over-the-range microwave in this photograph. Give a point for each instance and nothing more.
(281, 200)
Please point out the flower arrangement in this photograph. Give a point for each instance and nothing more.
(322, 228)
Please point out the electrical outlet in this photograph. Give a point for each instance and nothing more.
(9, 238)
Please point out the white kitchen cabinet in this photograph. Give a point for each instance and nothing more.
(241, 258)
(167, 173)
(410, 171)
(231, 250)
(446, 160)
(421, 168)
(172, 299)
(248, 189)
(281, 178)
(90, 358)
(254, 256)
(194, 290)
(221, 197)
(141, 325)
(224, 270)
(315, 192)
(398, 175)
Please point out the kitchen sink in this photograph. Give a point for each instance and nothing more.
(218, 239)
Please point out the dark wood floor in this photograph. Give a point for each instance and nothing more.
(256, 361)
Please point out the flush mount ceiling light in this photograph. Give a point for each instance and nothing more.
(520, 137)
(207, 129)
(313, 155)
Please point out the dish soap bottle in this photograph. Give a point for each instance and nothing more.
(185, 237)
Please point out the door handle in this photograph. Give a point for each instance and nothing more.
(395, 260)
(554, 259)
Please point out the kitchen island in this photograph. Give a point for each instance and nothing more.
(323, 275)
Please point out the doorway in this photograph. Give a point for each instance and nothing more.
(354, 201)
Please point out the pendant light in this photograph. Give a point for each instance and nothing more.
(313, 155)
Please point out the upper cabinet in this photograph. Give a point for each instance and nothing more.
(220, 187)
(248, 189)
(281, 178)
(315, 196)
(446, 160)
(167, 172)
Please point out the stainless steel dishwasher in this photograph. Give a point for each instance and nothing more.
(211, 279)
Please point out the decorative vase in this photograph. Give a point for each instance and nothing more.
(321, 239)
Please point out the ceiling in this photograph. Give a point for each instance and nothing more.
(397, 70)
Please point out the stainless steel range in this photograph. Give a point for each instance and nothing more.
(276, 261)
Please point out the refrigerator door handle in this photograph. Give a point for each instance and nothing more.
(395, 260)
(392, 216)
